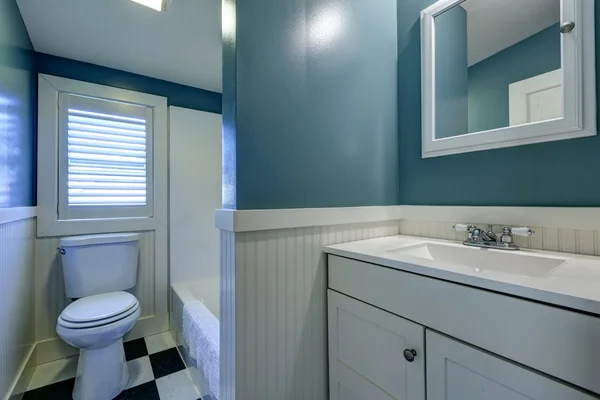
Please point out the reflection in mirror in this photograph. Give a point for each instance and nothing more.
(497, 64)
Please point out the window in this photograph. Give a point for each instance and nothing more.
(102, 151)
(104, 158)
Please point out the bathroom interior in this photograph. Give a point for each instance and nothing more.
(299, 199)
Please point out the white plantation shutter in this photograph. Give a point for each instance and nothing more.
(105, 167)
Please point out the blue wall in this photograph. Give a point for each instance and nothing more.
(18, 90)
(549, 174)
(310, 104)
(452, 71)
(489, 78)
(178, 95)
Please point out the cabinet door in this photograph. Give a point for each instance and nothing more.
(366, 353)
(456, 371)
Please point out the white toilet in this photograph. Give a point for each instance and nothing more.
(97, 269)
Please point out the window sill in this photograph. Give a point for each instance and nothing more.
(95, 226)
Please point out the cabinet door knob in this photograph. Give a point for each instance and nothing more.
(410, 354)
(567, 27)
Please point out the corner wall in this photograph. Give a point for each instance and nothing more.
(310, 104)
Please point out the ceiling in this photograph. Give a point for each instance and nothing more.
(493, 25)
(181, 45)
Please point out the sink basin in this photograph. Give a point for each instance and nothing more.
(483, 259)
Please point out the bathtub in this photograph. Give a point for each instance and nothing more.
(207, 291)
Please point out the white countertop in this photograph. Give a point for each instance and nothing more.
(574, 284)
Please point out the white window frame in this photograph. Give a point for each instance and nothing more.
(579, 89)
(51, 143)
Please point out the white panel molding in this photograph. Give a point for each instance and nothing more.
(587, 218)
(16, 214)
(260, 220)
(16, 299)
(274, 309)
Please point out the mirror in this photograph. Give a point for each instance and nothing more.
(495, 67)
(504, 73)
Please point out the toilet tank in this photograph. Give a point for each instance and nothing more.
(97, 264)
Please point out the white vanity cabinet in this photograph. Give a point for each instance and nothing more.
(366, 353)
(468, 343)
(456, 371)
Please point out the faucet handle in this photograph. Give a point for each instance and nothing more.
(464, 228)
(522, 231)
(508, 232)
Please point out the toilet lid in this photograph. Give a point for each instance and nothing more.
(135, 310)
(99, 307)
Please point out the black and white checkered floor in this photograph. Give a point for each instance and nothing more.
(156, 372)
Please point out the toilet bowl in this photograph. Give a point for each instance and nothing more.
(96, 325)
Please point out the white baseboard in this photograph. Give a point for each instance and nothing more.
(149, 326)
(21, 382)
(16, 214)
(55, 348)
(52, 350)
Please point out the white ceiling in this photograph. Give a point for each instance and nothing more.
(181, 45)
(494, 25)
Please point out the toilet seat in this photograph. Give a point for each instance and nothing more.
(98, 310)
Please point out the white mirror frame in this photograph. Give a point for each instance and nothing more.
(579, 89)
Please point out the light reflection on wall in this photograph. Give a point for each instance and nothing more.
(9, 149)
(18, 91)
(17, 178)
(326, 26)
(317, 31)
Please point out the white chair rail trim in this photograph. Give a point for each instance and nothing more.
(258, 220)
(16, 214)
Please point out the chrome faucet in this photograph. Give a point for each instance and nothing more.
(488, 239)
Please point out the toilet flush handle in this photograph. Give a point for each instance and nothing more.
(60, 250)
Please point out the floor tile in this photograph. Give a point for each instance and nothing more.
(135, 349)
(166, 362)
(57, 391)
(145, 391)
(52, 372)
(177, 386)
(160, 342)
(140, 371)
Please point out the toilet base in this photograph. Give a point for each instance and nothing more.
(101, 373)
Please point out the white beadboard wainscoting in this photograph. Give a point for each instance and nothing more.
(273, 280)
(273, 309)
(50, 297)
(17, 300)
